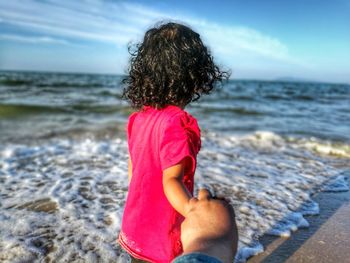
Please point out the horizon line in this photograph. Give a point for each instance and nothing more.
(277, 79)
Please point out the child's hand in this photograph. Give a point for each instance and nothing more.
(189, 205)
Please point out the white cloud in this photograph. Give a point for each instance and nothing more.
(227, 41)
(51, 19)
(120, 22)
(33, 40)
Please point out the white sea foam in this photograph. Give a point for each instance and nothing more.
(337, 184)
(63, 199)
(246, 252)
(327, 148)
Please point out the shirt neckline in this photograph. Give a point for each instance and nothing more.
(146, 107)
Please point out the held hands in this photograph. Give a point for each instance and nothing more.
(209, 227)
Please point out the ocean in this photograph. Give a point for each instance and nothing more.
(267, 146)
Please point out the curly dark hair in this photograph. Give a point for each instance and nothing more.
(171, 66)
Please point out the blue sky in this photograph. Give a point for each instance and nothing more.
(306, 39)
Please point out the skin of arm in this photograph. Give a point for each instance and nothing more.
(210, 228)
(174, 189)
(129, 169)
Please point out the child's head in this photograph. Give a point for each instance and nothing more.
(170, 66)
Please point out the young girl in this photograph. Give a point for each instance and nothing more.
(168, 70)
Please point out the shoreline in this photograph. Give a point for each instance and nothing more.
(327, 238)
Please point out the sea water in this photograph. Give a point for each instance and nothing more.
(267, 146)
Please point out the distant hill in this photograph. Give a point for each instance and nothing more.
(295, 79)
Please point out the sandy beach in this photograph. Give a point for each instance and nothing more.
(326, 240)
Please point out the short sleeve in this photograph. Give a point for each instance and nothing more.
(181, 138)
(129, 126)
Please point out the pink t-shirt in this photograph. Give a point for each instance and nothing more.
(157, 139)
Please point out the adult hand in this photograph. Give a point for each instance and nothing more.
(210, 228)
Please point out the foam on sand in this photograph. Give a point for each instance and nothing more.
(63, 199)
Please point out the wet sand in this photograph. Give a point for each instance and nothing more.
(326, 240)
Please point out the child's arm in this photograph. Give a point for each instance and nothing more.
(174, 189)
(129, 169)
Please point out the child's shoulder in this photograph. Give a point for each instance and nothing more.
(175, 115)
(181, 126)
(168, 112)
(169, 116)
(181, 119)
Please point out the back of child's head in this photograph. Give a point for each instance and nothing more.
(171, 66)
